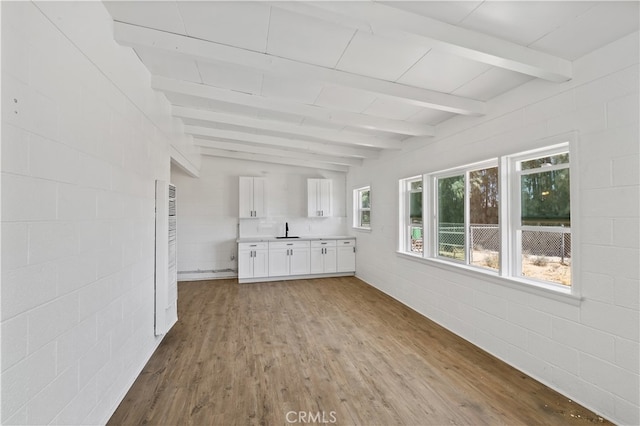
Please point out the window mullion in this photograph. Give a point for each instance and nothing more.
(467, 218)
(506, 217)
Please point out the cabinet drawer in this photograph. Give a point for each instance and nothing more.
(346, 243)
(288, 244)
(323, 243)
(253, 246)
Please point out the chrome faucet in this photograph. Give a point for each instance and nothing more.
(286, 229)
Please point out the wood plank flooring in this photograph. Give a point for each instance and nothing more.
(326, 351)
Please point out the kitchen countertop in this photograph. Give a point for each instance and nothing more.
(260, 239)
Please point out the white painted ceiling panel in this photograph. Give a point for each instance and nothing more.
(600, 25)
(523, 22)
(442, 72)
(388, 108)
(492, 83)
(345, 98)
(451, 12)
(232, 77)
(242, 24)
(430, 116)
(378, 57)
(300, 91)
(165, 16)
(169, 66)
(316, 42)
(351, 78)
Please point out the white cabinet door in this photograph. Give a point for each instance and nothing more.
(259, 196)
(319, 193)
(312, 198)
(253, 260)
(317, 260)
(245, 197)
(324, 197)
(330, 260)
(323, 256)
(245, 264)
(252, 197)
(300, 258)
(346, 256)
(260, 263)
(278, 262)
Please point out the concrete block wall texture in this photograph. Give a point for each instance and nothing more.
(83, 140)
(590, 350)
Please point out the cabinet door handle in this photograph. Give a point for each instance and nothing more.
(354, 249)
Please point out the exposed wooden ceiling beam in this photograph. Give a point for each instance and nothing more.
(278, 126)
(300, 145)
(240, 147)
(319, 113)
(385, 20)
(271, 159)
(202, 50)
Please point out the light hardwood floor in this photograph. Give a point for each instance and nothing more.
(331, 351)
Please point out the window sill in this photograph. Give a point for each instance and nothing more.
(360, 229)
(550, 291)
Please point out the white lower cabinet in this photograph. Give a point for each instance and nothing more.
(289, 258)
(346, 255)
(323, 257)
(253, 260)
(275, 260)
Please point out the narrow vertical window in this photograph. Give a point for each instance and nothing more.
(411, 216)
(543, 218)
(484, 228)
(362, 207)
(451, 212)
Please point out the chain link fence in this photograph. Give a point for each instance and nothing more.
(486, 238)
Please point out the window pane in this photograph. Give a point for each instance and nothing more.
(545, 198)
(484, 234)
(364, 199)
(365, 219)
(415, 220)
(547, 256)
(415, 208)
(545, 161)
(451, 201)
(416, 185)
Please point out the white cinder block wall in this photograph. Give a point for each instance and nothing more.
(83, 140)
(589, 352)
(208, 212)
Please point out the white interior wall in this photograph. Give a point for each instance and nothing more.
(589, 352)
(83, 140)
(208, 212)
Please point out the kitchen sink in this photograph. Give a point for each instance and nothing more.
(286, 237)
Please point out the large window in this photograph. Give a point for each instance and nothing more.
(467, 216)
(542, 216)
(510, 216)
(362, 207)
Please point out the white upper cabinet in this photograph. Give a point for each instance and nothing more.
(252, 197)
(319, 193)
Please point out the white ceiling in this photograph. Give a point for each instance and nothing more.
(328, 84)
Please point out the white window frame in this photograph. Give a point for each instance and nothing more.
(433, 209)
(358, 209)
(405, 191)
(510, 252)
(513, 263)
